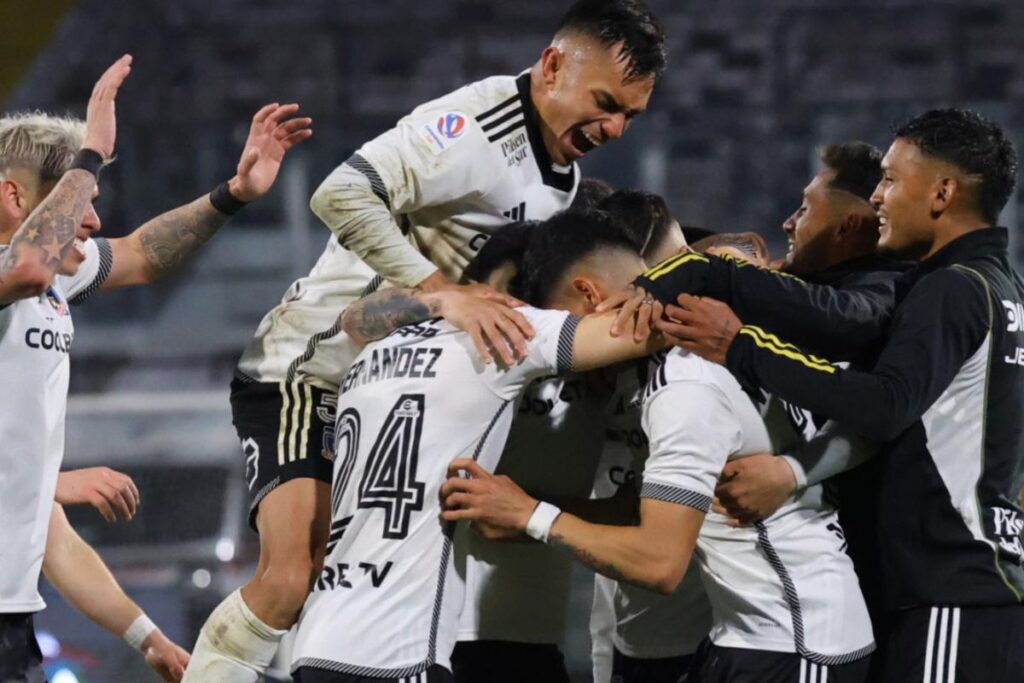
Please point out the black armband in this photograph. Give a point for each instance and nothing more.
(88, 160)
(224, 201)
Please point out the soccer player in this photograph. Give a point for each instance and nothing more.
(50, 259)
(638, 636)
(410, 207)
(773, 588)
(386, 603)
(945, 398)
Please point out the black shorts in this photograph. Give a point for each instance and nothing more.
(306, 674)
(20, 658)
(714, 664)
(502, 661)
(981, 645)
(626, 669)
(287, 432)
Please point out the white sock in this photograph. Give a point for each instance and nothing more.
(234, 645)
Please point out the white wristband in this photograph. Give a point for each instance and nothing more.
(543, 517)
(140, 629)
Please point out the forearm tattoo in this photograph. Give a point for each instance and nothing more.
(379, 314)
(49, 232)
(171, 237)
(586, 557)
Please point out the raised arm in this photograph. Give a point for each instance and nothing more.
(161, 244)
(839, 323)
(46, 238)
(78, 573)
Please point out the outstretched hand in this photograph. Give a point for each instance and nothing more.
(489, 318)
(107, 490)
(636, 309)
(100, 121)
(751, 489)
(704, 326)
(496, 506)
(167, 659)
(271, 136)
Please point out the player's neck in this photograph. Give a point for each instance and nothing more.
(541, 104)
(7, 229)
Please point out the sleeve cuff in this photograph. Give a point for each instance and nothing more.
(679, 496)
(798, 471)
(106, 256)
(566, 338)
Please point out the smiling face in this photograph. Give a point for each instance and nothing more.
(809, 228)
(906, 200)
(583, 99)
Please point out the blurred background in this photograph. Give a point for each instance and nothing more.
(753, 88)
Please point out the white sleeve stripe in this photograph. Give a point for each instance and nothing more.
(358, 163)
(102, 273)
(565, 342)
(671, 494)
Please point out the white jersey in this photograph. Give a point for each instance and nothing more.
(35, 338)
(784, 584)
(450, 174)
(647, 625)
(388, 600)
(519, 592)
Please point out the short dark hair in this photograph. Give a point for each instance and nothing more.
(590, 193)
(504, 246)
(857, 167)
(628, 22)
(973, 144)
(644, 217)
(559, 242)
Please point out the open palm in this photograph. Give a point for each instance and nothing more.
(274, 131)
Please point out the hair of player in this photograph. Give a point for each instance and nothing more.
(644, 217)
(39, 142)
(749, 243)
(590, 193)
(505, 246)
(693, 233)
(973, 144)
(628, 23)
(560, 242)
(857, 167)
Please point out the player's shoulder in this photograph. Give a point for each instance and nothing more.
(483, 112)
(677, 367)
(474, 99)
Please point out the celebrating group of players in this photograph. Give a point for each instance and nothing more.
(496, 368)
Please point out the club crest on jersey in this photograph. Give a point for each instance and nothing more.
(444, 131)
(451, 125)
(59, 305)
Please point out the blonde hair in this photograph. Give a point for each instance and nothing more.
(39, 142)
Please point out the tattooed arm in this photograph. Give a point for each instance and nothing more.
(44, 243)
(653, 555)
(46, 238)
(487, 316)
(163, 243)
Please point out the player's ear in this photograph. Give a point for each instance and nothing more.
(14, 199)
(551, 62)
(943, 192)
(586, 290)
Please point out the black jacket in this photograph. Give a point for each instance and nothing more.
(841, 313)
(947, 396)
